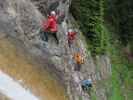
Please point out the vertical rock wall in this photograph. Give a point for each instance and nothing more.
(22, 19)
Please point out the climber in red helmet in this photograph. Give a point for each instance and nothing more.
(50, 26)
(71, 37)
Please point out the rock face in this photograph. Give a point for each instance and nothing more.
(21, 19)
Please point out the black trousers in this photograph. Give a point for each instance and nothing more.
(77, 67)
(55, 36)
(69, 43)
(45, 36)
(87, 87)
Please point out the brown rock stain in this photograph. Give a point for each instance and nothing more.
(21, 66)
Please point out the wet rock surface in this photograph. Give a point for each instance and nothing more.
(23, 78)
(21, 19)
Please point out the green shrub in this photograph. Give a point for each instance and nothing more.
(90, 16)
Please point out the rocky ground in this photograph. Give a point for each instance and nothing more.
(21, 19)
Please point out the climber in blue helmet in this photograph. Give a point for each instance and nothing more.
(86, 84)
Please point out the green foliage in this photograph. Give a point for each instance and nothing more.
(86, 13)
(93, 94)
(90, 16)
(116, 89)
(122, 74)
(120, 14)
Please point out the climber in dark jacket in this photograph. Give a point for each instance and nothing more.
(71, 36)
(86, 84)
(50, 26)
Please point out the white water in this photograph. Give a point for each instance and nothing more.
(13, 89)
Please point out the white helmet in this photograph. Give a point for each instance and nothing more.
(70, 30)
(53, 13)
(90, 80)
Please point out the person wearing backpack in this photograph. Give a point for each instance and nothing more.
(79, 60)
(71, 35)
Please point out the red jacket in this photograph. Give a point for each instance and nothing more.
(51, 24)
(71, 36)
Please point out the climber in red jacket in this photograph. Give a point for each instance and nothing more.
(50, 26)
(71, 37)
